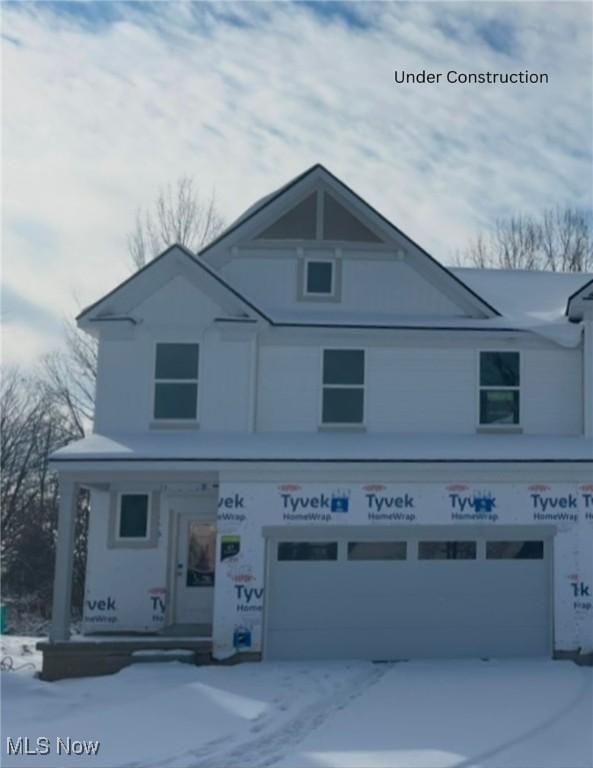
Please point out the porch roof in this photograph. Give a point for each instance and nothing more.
(323, 447)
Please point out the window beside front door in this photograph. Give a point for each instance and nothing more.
(343, 387)
(176, 382)
(499, 389)
(133, 517)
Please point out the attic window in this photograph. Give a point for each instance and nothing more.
(319, 278)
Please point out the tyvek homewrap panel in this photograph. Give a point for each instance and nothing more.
(125, 588)
(249, 507)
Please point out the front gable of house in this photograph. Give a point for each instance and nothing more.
(315, 246)
(313, 252)
(174, 289)
(178, 302)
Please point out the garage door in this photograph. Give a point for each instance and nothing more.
(361, 596)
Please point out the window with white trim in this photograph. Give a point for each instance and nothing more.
(132, 516)
(343, 387)
(499, 388)
(176, 381)
(319, 277)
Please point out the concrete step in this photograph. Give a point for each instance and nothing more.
(159, 655)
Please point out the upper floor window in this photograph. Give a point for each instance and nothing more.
(319, 278)
(176, 381)
(343, 387)
(499, 388)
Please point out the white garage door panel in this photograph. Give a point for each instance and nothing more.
(401, 644)
(407, 609)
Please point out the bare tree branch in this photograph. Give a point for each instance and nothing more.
(180, 215)
(559, 240)
(32, 426)
(69, 378)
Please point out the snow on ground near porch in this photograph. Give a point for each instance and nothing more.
(18, 652)
(323, 714)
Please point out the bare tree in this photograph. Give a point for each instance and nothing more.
(41, 411)
(32, 427)
(180, 215)
(567, 240)
(21, 419)
(559, 239)
(69, 377)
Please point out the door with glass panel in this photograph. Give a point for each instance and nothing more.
(196, 555)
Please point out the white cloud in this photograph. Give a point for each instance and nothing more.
(22, 345)
(96, 117)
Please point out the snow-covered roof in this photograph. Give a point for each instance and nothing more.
(530, 300)
(527, 301)
(538, 294)
(502, 300)
(324, 447)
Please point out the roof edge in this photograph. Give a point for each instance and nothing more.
(575, 295)
(195, 260)
(309, 460)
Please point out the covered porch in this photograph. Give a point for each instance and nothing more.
(148, 593)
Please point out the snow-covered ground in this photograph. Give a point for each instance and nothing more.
(503, 714)
(19, 652)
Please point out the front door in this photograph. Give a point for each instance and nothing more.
(196, 555)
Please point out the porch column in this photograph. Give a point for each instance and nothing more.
(62, 602)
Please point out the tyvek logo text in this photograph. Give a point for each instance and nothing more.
(319, 506)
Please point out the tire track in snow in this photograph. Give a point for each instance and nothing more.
(271, 746)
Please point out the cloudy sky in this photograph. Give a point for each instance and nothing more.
(104, 102)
